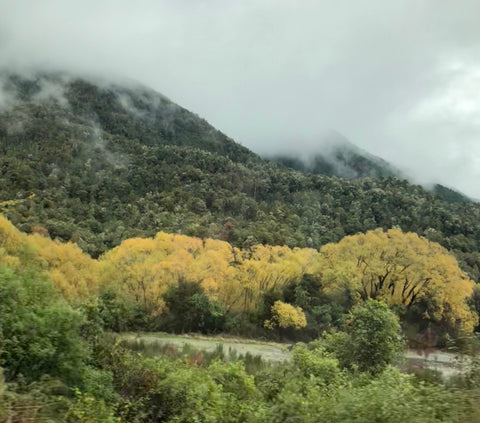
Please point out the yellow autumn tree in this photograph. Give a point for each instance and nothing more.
(270, 268)
(14, 246)
(216, 270)
(131, 270)
(73, 272)
(401, 268)
(143, 269)
(285, 315)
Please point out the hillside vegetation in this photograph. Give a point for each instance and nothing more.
(121, 211)
(336, 156)
(180, 283)
(107, 163)
(60, 366)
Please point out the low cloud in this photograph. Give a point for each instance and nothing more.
(399, 79)
(52, 90)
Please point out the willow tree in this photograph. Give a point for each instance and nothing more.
(403, 269)
(285, 316)
(73, 272)
(144, 269)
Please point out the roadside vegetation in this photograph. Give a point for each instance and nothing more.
(60, 361)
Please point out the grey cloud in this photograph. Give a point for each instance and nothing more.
(99, 143)
(6, 98)
(51, 91)
(396, 78)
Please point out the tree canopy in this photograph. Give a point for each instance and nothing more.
(403, 269)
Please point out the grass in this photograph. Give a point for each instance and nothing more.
(202, 350)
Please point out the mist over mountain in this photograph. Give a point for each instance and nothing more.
(299, 173)
(107, 162)
(128, 110)
(334, 155)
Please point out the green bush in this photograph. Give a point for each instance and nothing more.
(371, 339)
(40, 331)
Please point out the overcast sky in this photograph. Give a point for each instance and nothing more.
(400, 79)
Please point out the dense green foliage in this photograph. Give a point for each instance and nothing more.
(190, 310)
(39, 330)
(371, 338)
(118, 385)
(450, 195)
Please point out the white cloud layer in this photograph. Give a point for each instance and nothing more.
(399, 79)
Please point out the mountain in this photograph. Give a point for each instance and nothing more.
(95, 163)
(450, 195)
(130, 111)
(336, 156)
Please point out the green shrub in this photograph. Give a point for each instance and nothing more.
(41, 332)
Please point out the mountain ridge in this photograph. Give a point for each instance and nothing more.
(119, 110)
(336, 156)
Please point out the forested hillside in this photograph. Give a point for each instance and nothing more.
(107, 163)
(122, 211)
(336, 156)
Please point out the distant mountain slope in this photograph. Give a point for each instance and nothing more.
(450, 195)
(128, 111)
(108, 163)
(336, 156)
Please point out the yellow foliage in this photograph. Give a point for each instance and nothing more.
(73, 272)
(270, 268)
(402, 268)
(286, 316)
(145, 268)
